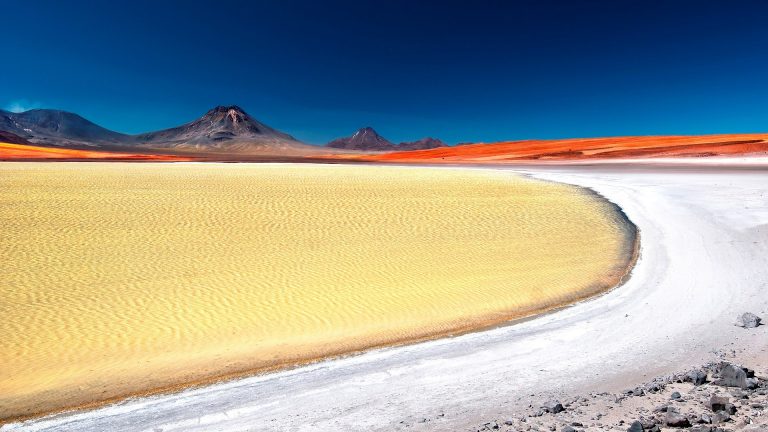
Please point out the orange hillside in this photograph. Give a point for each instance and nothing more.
(587, 148)
(21, 151)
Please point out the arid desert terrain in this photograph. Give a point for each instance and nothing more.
(701, 264)
(140, 277)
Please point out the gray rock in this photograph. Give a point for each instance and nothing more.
(553, 407)
(654, 387)
(705, 418)
(738, 394)
(568, 428)
(721, 417)
(732, 376)
(748, 320)
(697, 377)
(636, 426)
(718, 403)
(673, 419)
(752, 383)
(675, 395)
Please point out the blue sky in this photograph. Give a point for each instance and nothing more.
(460, 71)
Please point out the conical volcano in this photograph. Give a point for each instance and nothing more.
(364, 139)
(223, 129)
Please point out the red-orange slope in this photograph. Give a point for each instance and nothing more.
(10, 151)
(585, 149)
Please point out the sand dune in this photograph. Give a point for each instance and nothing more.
(124, 278)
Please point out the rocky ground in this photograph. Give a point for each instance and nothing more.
(720, 396)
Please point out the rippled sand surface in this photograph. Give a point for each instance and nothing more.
(122, 278)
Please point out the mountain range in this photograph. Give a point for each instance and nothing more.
(367, 139)
(221, 130)
(59, 128)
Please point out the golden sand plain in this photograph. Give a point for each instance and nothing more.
(123, 278)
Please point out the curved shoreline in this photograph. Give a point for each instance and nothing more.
(698, 238)
(498, 319)
(705, 234)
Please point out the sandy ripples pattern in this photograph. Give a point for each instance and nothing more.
(122, 278)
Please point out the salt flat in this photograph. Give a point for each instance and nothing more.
(703, 248)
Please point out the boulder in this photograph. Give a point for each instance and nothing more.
(648, 423)
(673, 419)
(752, 383)
(675, 395)
(654, 387)
(748, 320)
(697, 377)
(721, 417)
(553, 407)
(718, 403)
(636, 426)
(732, 376)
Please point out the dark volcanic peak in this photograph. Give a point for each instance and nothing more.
(232, 117)
(367, 139)
(221, 123)
(221, 128)
(55, 127)
(364, 139)
(422, 144)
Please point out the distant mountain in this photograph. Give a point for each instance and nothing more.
(364, 139)
(222, 130)
(12, 138)
(225, 129)
(367, 139)
(59, 128)
(422, 144)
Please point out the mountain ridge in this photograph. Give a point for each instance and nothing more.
(59, 128)
(367, 139)
(223, 129)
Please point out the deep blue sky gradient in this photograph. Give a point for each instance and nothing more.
(461, 71)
